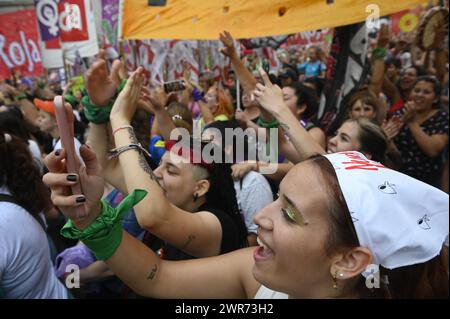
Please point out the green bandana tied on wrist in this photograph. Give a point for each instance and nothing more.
(104, 235)
(262, 123)
(379, 53)
(100, 114)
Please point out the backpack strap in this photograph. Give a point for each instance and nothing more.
(13, 200)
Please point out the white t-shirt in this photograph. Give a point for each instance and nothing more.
(57, 145)
(254, 195)
(26, 271)
(266, 293)
(36, 154)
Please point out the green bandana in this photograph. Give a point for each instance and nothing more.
(104, 235)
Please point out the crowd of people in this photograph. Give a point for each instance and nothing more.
(164, 222)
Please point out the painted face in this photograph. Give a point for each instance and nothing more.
(177, 179)
(423, 96)
(346, 139)
(407, 78)
(45, 122)
(362, 110)
(292, 234)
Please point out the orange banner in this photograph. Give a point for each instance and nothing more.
(204, 19)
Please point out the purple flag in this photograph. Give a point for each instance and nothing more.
(47, 16)
(110, 15)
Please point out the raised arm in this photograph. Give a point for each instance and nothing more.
(378, 65)
(132, 261)
(101, 86)
(270, 97)
(245, 77)
(198, 234)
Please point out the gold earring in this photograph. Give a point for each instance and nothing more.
(335, 285)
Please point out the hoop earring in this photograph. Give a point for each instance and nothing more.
(195, 196)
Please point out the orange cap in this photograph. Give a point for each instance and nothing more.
(46, 106)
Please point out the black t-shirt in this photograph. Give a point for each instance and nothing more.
(230, 237)
(415, 162)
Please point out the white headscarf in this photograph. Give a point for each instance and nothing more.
(401, 220)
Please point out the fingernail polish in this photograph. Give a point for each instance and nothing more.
(57, 152)
(80, 199)
(71, 177)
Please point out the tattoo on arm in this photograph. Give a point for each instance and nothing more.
(142, 161)
(152, 273)
(132, 136)
(188, 241)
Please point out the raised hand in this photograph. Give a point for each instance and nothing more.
(92, 185)
(410, 112)
(384, 36)
(101, 85)
(126, 103)
(144, 102)
(227, 40)
(392, 127)
(269, 96)
(158, 98)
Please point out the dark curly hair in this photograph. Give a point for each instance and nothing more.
(19, 174)
(306, 96)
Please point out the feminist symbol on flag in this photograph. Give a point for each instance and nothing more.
(47, 13)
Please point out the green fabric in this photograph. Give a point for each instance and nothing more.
(265, 124)
(95, 114)
(104, 235)
(21, 96)
(379, 53)
(71, 100)
(100, 114)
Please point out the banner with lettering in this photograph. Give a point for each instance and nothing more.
(19, 50)
(77, 28)
(47, 18)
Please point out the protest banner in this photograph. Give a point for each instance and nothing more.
(19, 50)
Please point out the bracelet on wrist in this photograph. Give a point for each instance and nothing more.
(121, 128)
(100, 114)
(119, 150)
(266, 124)
(379, 53)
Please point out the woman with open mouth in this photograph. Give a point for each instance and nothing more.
(343, 226)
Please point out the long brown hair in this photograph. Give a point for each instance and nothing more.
(424, 280)
(21, 176)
